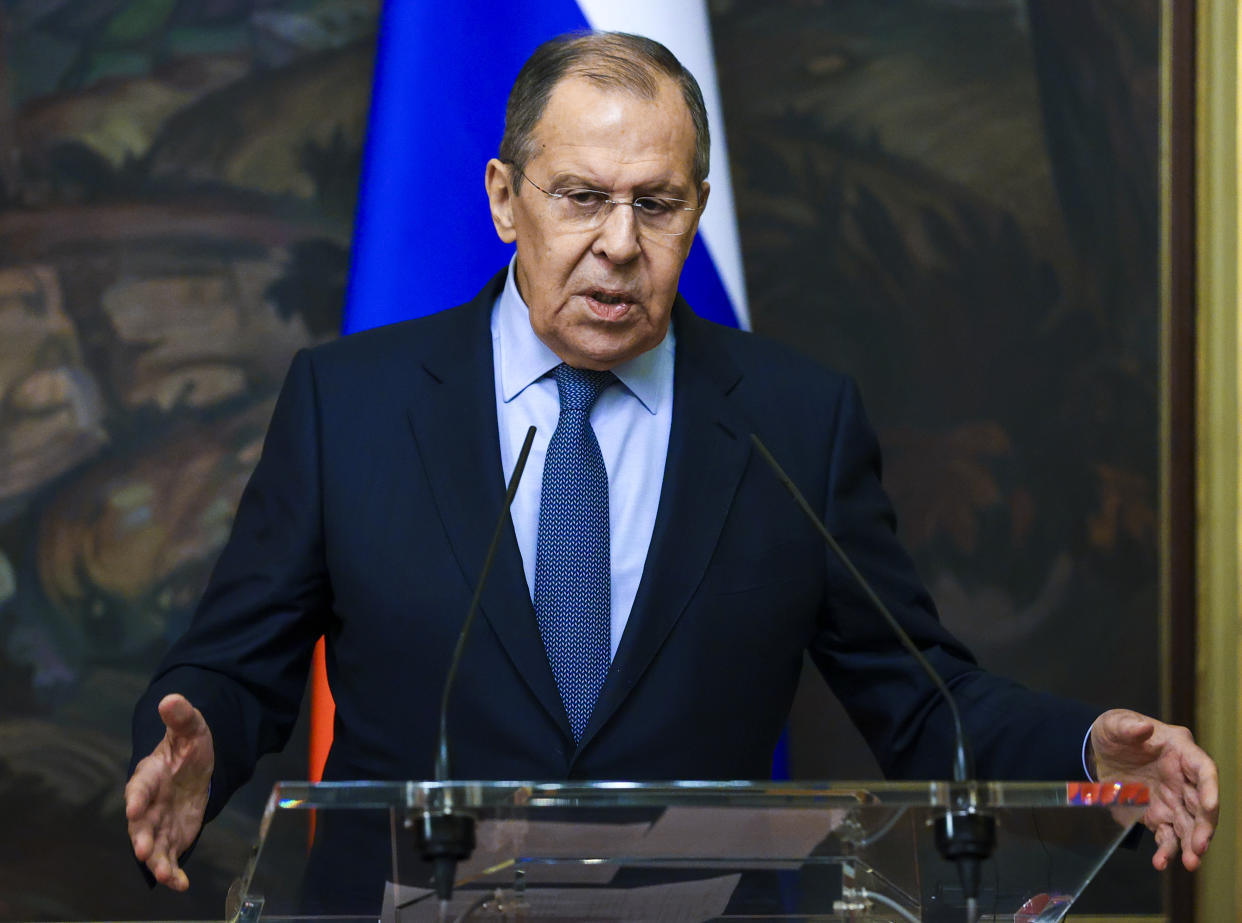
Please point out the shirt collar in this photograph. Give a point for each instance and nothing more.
(524, 358)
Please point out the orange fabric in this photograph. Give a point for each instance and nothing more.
(322, 714)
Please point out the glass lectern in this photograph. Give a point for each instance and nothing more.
(679, 851)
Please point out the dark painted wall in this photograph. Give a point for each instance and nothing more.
(176, 193)
(957, 202)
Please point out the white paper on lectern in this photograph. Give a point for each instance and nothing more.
(739, 833)
(682, 902)
(499, 842)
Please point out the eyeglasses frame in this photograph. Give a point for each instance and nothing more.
(613, 203)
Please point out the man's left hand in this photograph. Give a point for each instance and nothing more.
(1180, 778)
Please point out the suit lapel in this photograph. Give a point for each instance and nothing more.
(452, 414)
(707, 455)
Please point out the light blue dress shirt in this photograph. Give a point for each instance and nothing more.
(632, 421)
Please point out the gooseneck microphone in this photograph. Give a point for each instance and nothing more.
(963, 761)
(442, 752)
(444, 837)
(964, 836)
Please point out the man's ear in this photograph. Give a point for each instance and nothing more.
(500, 196)
(704, 189)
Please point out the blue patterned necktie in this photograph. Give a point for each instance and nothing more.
(573, 582)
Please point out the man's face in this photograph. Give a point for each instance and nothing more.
(599, 297)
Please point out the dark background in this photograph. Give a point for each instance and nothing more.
(956, 201)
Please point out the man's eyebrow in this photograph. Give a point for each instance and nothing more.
(655, 187)
(576, 181)
(661, 187)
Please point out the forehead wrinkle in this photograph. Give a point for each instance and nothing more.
(611, 134)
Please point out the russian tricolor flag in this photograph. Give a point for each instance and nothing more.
(423, 236)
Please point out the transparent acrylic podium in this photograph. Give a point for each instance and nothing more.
(680, 851)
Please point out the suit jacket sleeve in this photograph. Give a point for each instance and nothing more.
(1016, 733)
(244, 660)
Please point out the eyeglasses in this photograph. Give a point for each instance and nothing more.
(584, 209)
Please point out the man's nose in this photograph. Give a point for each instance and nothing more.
(617, 239)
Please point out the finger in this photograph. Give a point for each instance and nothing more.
(140, 790)
(1159, 812)
(1204, 825)
(1120, 742)
(137, 798)
(1180, 816)
(1191, 821)
(143, 841)
(165, 867)
(160, 867)
(169, 875)
(1133, 727)
(178, 880)
(1181, 838)
(1190, 858)
(1201, 771)
(1201, 837)
(179, 716)
(1166, 847)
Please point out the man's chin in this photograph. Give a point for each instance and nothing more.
(601, 352)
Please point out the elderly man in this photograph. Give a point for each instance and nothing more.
(649, 610)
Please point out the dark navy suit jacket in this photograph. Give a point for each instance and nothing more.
(367, 520)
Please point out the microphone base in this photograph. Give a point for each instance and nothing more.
(966, 838)
(444, 839)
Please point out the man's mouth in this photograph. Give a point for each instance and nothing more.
(608, 304)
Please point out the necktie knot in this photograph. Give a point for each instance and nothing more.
(579, 388)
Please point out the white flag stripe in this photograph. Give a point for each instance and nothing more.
(683, 27)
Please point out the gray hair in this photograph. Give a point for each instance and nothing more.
(610, 59)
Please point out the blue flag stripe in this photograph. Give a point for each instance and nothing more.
(423, 238)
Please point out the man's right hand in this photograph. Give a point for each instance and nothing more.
(167, 794)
